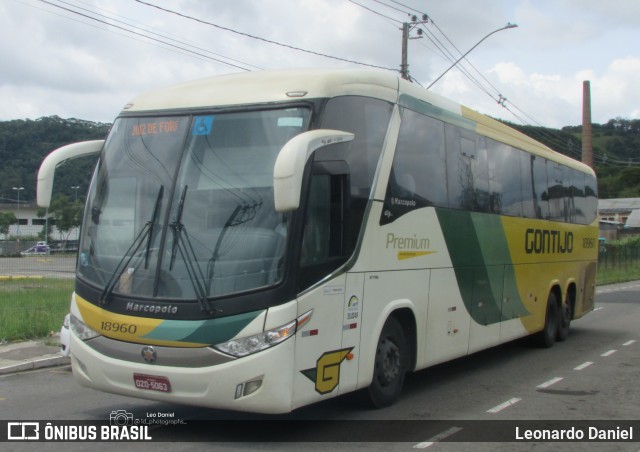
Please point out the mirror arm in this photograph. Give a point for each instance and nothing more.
(291, 160)
(58, 157)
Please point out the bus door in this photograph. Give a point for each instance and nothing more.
(323, 359)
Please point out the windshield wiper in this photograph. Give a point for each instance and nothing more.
(151, 223)
(145, 233)
(241, 214)
(182, 243)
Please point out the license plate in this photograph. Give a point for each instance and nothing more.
(152, 382)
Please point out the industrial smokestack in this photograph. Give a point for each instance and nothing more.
(587, 143)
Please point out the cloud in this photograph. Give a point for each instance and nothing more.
(555, 97)
(59, 63)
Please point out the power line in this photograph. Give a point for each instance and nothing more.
(374, 11)
(149, 30)
(404, 11)
(185, 16)
(86, 16)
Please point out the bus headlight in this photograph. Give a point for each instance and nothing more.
(81, 329)
(244, 346)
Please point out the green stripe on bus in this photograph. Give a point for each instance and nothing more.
(480, 256)
(211, 331)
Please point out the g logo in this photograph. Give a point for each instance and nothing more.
(326, 374)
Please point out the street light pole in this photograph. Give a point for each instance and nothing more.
(509, 25)
(18, 189)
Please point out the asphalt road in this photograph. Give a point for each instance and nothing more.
(47, 266)
(592, 376)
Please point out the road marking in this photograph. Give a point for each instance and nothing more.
(548, 383)
(583, 365)
(597, 309)
(502, 406)
(632, 341)
(437, 438)
(609, 353)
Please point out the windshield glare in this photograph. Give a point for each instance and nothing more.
(182, 207)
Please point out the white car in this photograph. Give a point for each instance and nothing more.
(65, 340)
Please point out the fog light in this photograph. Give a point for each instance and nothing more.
(251, 386)
(247, 388)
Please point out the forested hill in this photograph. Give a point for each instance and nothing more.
(24, 143)
(616, 151)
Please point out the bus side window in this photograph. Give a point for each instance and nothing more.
(540, 187)
(418, 175)
(323, 243)
(591, 194)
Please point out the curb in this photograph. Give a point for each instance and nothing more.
(39, 363)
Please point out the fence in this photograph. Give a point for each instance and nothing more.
(35, 294)
(619, 257)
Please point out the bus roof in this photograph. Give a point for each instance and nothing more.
(263, 87)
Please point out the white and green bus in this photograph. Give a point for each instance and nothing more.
(263, 241)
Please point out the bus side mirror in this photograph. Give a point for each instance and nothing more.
(292, 158)
(59, 156)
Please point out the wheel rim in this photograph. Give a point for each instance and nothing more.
(390, 362)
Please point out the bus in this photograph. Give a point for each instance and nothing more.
(267, 240)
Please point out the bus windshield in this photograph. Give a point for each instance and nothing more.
(181, 207)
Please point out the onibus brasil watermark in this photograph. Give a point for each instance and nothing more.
(121, 426)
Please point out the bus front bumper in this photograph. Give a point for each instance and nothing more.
(260, 383)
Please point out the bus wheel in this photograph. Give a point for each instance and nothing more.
(564, 322)
(390, 365)
(547, 337)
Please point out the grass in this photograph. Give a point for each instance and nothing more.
(616, 275)
(32, 307)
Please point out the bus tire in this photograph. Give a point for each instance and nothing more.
(547, 337)
(390, 365)
(564, 322)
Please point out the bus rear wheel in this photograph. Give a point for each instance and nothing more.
(547, 337)
(564, 322)
(390, 365)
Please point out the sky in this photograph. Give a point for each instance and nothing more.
(86, 59)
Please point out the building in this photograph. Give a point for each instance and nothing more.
(30, 225)
(620, 216)
(617, 210)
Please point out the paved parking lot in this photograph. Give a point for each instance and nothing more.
(46, 266)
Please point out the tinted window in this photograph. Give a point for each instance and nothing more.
(467, 171)
(540, 187)
(368, 119)
(527, 186)
(558, 179)
(591, 192)
(577, 196)
(418, 176)
(505, 185)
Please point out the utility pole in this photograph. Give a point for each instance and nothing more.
(406, 31)
(404, 65)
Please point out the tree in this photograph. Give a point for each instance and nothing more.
(6, 220)
(67, 213)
